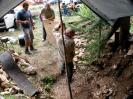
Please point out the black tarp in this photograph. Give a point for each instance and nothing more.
(7, 5)
(12, 69)
(110, 10)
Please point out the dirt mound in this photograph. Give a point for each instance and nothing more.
(110, 77)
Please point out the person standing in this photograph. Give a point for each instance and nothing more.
(47, 13)
(24, 18)
(69, 50)
(64, 9)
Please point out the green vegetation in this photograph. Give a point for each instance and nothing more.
(48, 81)
(9, 97)
(91, 28)
(131, 28)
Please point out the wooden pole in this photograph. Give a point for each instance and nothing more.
(69, 86)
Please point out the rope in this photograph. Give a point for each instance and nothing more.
(69, 86)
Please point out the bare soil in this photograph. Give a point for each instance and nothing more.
(110, 77)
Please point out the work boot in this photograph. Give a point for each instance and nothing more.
(32, 48)
(27, 51)
(62, 72)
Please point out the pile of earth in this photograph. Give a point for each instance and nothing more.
(109, 77)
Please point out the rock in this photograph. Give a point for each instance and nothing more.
(30, 70)
(79, 62)
(75, 67)
(4, 93)
(96, 94)
(5, 85)
(114, 66)
(21, 96)
(130, 52)
(76, 52)
(23, 63)
(4, 39)
(12, 40)
(13, 90)
(5, 74)
(3, 78)
(1, 71)
(17, 88)
(104, 89)
(80, 54)
(75, 59)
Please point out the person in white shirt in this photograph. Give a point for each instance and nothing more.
(69, 50)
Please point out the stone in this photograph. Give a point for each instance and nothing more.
(30, 70)
(130, 52)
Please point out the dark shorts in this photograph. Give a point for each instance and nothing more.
(28, 34)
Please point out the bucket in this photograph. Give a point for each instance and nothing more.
(21, 40)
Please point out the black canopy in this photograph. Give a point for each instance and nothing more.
(7, 5)
(110, 10)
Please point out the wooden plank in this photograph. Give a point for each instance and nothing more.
(49, 25)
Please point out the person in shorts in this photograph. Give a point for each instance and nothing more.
(24, 18)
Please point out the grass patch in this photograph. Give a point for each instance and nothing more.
(9, 97)
(48, 81)
(131, 28)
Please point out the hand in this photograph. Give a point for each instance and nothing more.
(25, 22)
(33, 27)
(33, 23)
(45, 19)
(50, 19)
(61, 24)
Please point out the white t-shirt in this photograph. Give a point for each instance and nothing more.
(69, 47)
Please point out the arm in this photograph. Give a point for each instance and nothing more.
(31, 19)
(19, 21)
(51, 18)
(73, 52)
(60, 25)
(56, 31)
(53, 15)
(41, 15)
(56, 28)
(22, 22)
